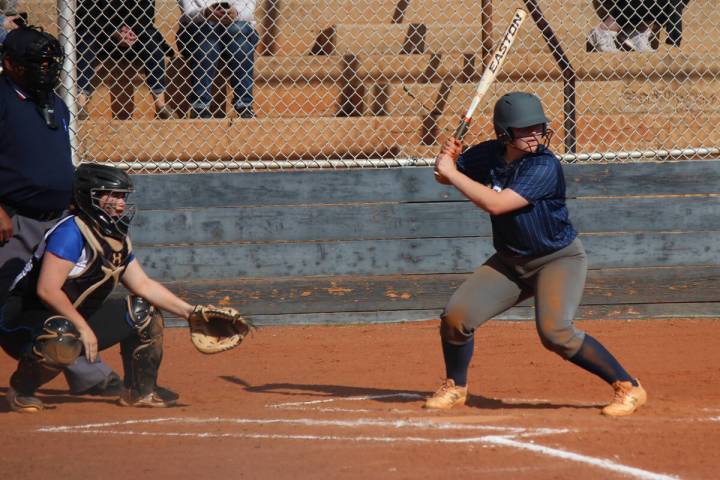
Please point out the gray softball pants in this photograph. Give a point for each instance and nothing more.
(555, 280)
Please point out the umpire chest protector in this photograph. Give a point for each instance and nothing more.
(108, 259)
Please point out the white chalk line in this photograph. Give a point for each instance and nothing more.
(507, 440)
(565, 455)
(310, 422)
(515, 401)
(299, 405)
(278, 436)
(313, 404)
(348, 410)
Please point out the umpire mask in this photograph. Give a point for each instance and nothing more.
(37, 59)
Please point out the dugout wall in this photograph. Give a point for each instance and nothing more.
(380, 245)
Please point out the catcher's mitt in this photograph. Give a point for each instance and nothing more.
(216, 329)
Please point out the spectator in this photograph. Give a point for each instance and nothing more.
(121, 29)
(603, 38)
(210, 31)
(7, 19)
(36, 170)
(633, 21)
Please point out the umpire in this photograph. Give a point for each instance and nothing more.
(36, 170)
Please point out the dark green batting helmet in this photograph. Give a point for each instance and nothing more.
(517, 110)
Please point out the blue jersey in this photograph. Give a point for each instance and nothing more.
(543, 226)
(64, 240)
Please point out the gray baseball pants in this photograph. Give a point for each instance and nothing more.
(555, 280)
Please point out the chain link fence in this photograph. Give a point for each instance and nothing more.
(188, 85)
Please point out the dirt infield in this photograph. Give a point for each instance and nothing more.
(344, 402)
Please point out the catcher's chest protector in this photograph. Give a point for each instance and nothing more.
(108, 260)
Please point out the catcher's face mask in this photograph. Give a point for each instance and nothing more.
(113, 211)
(101, 194)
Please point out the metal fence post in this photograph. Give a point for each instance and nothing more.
(66, 26)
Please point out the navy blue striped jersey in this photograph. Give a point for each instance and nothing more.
(543, 226)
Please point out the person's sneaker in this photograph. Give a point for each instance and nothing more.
(603, 40)
(627, 399)
(448, 395)
(23, 403)
(640, 41)
(166, 394)
(82, 113)
(110, 387)
(205, 113)
(159, 398)
(165, 113)
(245, 112)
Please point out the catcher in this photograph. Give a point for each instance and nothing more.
(59, 308)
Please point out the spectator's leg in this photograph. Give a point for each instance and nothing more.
(205, 53)
(239, 41)
(86, 59)
(153, 58)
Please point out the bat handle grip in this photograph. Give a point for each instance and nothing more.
(462, 129)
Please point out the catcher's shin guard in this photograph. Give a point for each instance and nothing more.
(57, 346)
(143, 350)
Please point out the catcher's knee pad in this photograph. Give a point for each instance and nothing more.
(58, 344)
(145, 318)
(55, 347)
(142, 351)
(452, 329)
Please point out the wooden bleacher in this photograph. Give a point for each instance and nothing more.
(227, 139)
(341, 65)
(301, 22)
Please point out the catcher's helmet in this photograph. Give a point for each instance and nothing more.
(90, 183)
(39, 54)
(517, 110)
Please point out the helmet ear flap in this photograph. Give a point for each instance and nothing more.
(505, 135)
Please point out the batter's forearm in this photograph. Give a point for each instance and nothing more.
(477, 193)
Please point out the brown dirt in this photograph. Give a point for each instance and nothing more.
(231, 423)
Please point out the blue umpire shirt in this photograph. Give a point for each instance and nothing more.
(543, 226)
(36, 170)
